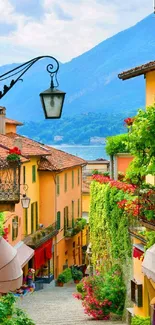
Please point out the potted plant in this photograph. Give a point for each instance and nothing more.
(61, 280)
(76, 275)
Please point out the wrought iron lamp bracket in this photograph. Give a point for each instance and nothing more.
(21, 70)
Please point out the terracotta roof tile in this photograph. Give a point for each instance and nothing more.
(137, 71)
(10, 121)
(28, 146)
(52, 159)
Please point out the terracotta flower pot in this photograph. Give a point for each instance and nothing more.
(76, 281)
(60, 284)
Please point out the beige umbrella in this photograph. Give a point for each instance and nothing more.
(11, 274)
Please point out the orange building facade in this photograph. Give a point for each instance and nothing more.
(52, 180)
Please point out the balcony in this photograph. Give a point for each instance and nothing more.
(9, 184)
(73, 227)
(41, 236)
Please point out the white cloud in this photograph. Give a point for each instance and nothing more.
(89, 22)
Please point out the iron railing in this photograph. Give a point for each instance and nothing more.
(9, 181)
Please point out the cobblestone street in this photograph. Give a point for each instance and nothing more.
(55, 305)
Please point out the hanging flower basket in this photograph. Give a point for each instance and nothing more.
(14, 154)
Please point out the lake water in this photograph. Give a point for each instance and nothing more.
(85, 152)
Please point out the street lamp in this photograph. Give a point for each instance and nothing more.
(52, 99)
(25, 201)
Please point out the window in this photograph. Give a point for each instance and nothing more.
(33, 173)
(58, 220)
(26, 220)
(72, 178)
(136, 293)
(78, 176)
(14, 228)
(65, 183)
(79, 208)
(72, 213)
(24, 174)
(58, 184)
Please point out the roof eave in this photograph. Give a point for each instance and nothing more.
(132, 74)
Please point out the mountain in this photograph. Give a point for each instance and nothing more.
(90, 80)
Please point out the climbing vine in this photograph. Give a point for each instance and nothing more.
(109, 224)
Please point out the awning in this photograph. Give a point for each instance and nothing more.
(138, 250)
(24, 253)
(42, 254)
(11, 274)
(148, 265)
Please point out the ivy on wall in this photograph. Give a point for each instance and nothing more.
(108, 226)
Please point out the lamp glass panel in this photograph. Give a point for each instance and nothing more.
(25, 202)
(53, 104)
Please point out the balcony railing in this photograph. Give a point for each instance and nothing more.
(41, 236)
(72, 227)
(9, 181)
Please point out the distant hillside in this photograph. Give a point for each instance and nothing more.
(90, 80)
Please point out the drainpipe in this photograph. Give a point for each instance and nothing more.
(2, 119)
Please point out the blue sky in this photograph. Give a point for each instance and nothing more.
(62, 28)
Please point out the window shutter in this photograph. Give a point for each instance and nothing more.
(33, 174)
(133, 291)
(140, 295)
(137, 293)
(58, 220)
(24, 174)
(36, 204)
(72, 178)
(26, 221)
(32, 218)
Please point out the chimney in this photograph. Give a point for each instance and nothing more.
(18, 143)
(2, 120)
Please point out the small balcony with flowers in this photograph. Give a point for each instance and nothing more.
(41, 236)
(71, 227)
(9, 178)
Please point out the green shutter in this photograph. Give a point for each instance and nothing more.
(57, 185)
(72, 213)
(32, 218)
(79, 208)
(65, 182)
(26, 221)
(72, 178)
(24, 174)
(36, 204)
(33, 173)
(58, 220)
(78, 176)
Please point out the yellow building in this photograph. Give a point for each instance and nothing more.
(51, 228)
(143, 283)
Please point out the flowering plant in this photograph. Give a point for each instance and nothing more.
(14, 154)
(129, 121)
(102, 295)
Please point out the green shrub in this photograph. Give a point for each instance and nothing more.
(138, 320)
(61, 278)
(10, 315)
(76, 274)
(65, 276)
(117, 144)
